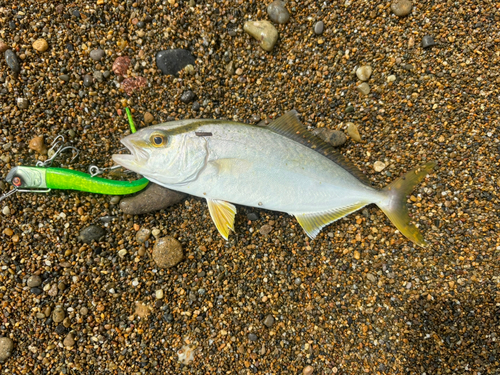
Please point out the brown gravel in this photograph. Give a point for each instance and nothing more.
(422, 310)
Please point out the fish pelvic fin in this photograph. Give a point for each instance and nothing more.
(312, 223)
(222, 214)
(395, 205)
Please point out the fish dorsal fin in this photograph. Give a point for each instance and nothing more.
(290, 126)
(312, 223)
(222, 214)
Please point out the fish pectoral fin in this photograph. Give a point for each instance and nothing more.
(312, 223)
(222, 214)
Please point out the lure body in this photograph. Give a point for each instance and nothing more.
(44, 179)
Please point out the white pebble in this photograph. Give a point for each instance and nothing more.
(6, 211)
(122, 253)
(159, 294)
(379, 166)
(391, 78)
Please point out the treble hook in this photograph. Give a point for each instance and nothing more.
(62, 148)
(8, 194)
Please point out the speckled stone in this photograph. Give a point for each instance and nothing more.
(33, 281)
(167, 252)
(428, 41)
(12, 61)
(121, 65)
(277, 12)
(133, 84)
(401, 8)
(6, 348)
(187, 96)
(97, 54)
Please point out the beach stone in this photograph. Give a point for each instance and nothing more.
(352, 131)
(6, 348)
(401, 8)
(33, 281)
(378, 166)
(6, 211)
(142, 235)
(252, 216)
(98, 76)
(3, 47)
(69, 340)
(278, 12)
(265, 229)
(64, 77)
(319, 27)
(167, 252)
(121, 65)
(172, 61)
(230, 68)
(264, 32)
(22, 103)
(269, 321)
(97, 54)
(187, 96)
(363, 88)
(88, 80)
(58, 315)
(36, 291)
(130, 85)
(12, 61)
(148, 118)
(252, 337)
(334, 137)
(153, 198)
(308, 370)
(428, 41)
(40, 45)
(364, 72)
(91, 233)
(391, 78)
(189, 69)
(37, 144)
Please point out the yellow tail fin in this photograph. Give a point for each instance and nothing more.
(395, 206)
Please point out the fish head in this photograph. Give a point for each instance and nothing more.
(23, 177)
(164, 156)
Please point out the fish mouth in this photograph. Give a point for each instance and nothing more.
(137, 158)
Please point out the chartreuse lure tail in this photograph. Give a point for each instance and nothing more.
(44, 179)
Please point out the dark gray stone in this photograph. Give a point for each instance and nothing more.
(269, 321)
(252, 337)
(91, 233)
(88, 80)
(252, 216)
(319, 27)
(64, 77)
(428, 41)
(187, 96)
(173, 61)
(12, 61)
(153, 198)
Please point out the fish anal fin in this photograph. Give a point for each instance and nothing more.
(290, 126)
(222, 214)
(312, 223)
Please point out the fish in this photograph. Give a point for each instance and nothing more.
(280, 167)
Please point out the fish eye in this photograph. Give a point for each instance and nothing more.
(157, 140)
(16, 181)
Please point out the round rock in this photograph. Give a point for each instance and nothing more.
(22, 103)
(278, 12)
(153, 198)
(334, 137)
(97, 54)
(173, 61)
(364, 72)
(319, 27)
(12, 61)
(167, 252)
(264, 32)
(308, 370)
(428, 41)
(34, 280)
(363, 88)
(69, 340)
(91, 233)
(40, 45)
(121, 64)
(88, 80)
(6, 347)
(58, 315)
(148, 118)
(142, 235)
(187, 96)
(401, 8)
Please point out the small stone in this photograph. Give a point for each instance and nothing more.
(363, 88)
(167, 252)
(148, 118)
(133, 84)
(91, 233)
(33, 281)
(308, 370)
(364, 72)
(187, 96)
(277, 12)
(121, 65)
(298, 281)
(3, 47)
(142, 235)
(230, 68)
(36, 291)
(189, 69)
(252, 337)
(6, 211)
(97, 54)
(22, 103)
(252, 216)
(334, 137)
(88, 80)
(239, 71)
(159, 294)
(378, 166)
(269, 321)
(356, 255)
(196, 106)
(349, 109)
(6, 348)
(153, 198)
(69, 340)
(37, 144)
(371, 277)
(352, 131)
(264, 32)
(12, 61)
(401, 8)
(122, 253)
(98, 76)
(8, 232)
(41, 45)
(391, 78)
(428, 41)
(64, 77)
(115, 200)
(319, 27)
(58, 315)
(106, 74)
(52, 291)
(84, 311)
(265, 229)
(172, 61)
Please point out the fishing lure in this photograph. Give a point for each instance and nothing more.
(43, 178)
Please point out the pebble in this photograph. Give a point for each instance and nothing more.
(187, 96)
(364, 72)
(391, 78)
(142, 235)
(189, 69)
(159, 294)
(401, 8)
(363, 88)
(36, 291)
(196, 106)
(371, 277)
(58, 314)
(252, 337)
(352, 131)
(334, 137)
(115, 199)
(277, 12)
(308, 370)
(148, 118)
(6, 348)
(167, 252)
(88, 80)
(269, 321)
(53, 290)
(298, 281)
(379, 166)
(319, 27)
(6, 211)
(428, 41)
(252, 216)
(98, 76)
(230, 68)
(97, 54)
(132, 84)
(22, 103)
(3, 47)
(12, 61)
(122, 253)
(40, 45)
(91, 233)
(121, 65)
(69, 340)
(172, 61)
(37, 144)
(64, 77)
(33, 281)
(153, 198)
(265, 229)
(9, 232)
(356, 255)
(262, 31)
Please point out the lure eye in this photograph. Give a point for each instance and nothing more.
(158, 140)
(16, 181)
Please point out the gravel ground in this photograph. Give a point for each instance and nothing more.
(358, 299)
